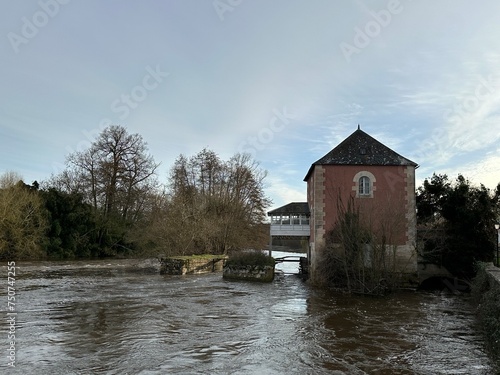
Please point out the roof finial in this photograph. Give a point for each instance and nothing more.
(359, 127)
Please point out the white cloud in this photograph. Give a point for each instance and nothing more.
(281, 191)
(485, 171)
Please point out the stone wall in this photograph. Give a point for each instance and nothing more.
(486, 292)
(191, 265)
(251, 273)
(494, 274)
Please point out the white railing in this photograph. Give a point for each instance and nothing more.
(290, 230)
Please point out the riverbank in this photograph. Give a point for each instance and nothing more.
(486, 293)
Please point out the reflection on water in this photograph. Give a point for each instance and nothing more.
(99, 318)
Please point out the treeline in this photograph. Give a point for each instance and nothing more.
(108, 202)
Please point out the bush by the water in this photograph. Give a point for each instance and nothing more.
(250, 258)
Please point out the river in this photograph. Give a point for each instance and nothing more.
(116, 317)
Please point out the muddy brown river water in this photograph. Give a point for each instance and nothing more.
(108, 317)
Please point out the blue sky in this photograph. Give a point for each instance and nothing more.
(284, 80)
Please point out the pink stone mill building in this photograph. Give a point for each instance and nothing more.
(377, 181)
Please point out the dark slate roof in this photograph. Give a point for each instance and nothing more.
(361, 149)
(291, 208)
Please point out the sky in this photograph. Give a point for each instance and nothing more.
(284, 80)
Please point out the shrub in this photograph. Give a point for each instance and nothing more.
(250, 258)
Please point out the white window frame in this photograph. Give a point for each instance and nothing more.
(364, 185)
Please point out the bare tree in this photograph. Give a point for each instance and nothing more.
(114, 174)
(9, 179)
(218, 205)
(359, 254)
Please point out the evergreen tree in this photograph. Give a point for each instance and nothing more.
(456, 222)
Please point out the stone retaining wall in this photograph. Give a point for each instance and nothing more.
(251, 273)
(494, 274)
(183, 266)
(486, 292)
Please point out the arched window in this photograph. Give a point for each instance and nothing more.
(364, 185)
